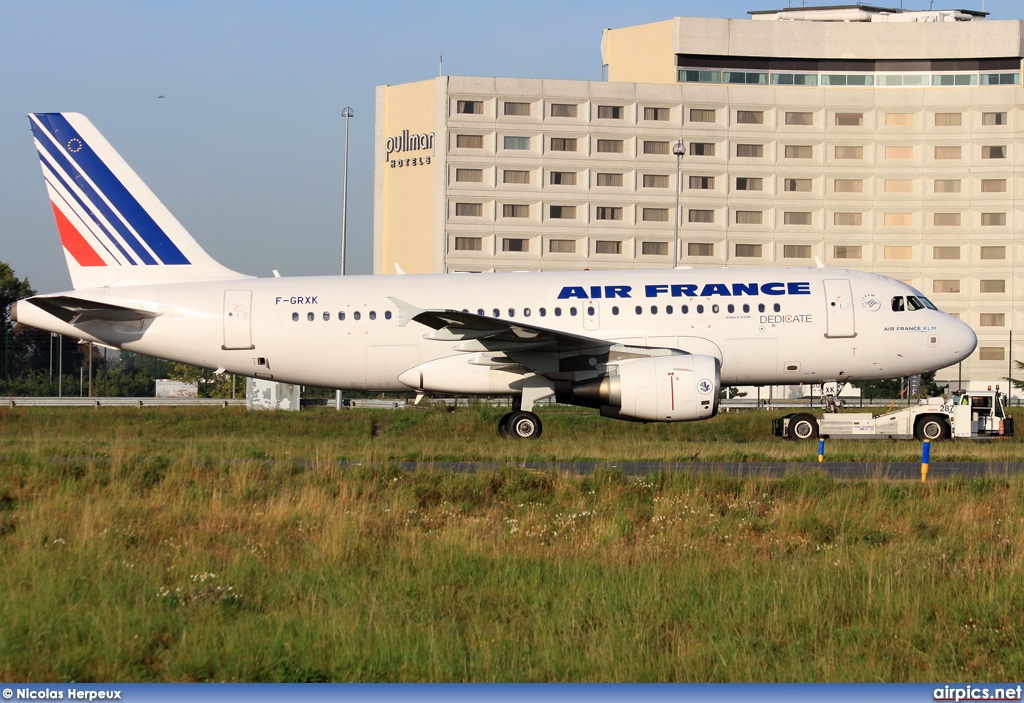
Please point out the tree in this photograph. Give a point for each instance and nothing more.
(17, 347)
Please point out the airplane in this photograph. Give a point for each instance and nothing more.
(640, 345)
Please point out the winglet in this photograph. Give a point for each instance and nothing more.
(406, 311)
(398, 269)
(817, 262)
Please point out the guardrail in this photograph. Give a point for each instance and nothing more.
(80, 402)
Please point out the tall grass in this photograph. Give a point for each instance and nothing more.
(164, 546)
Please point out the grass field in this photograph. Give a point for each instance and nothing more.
(208, 545)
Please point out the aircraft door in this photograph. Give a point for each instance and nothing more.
(238, 319)
(591, 315)
(839, 308)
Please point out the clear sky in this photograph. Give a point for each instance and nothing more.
(246, 146)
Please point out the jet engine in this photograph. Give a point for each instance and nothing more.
(673, 388)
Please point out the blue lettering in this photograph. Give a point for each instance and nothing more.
(572, 292)
(715, 289)
(680, 290)
(744, 289)
(595, 291)
(617, 291)
(773, 288)
(654, 291)
(801, 288)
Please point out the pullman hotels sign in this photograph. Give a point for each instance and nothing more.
(405, 143)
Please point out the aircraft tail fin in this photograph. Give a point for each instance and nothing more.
(114, 230)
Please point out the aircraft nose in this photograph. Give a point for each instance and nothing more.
(963, 340)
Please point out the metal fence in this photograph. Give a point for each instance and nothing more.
(80, 402)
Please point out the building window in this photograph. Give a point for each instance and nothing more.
(899, 153)
(469, 175)
(659, 114)
(996, 285)
(468, 243)
(517, 109)
(515, 244)
(697, 115)
(700, 215)
(753, 151)
(993, 219)
(993, 118)
(469, 141)
(562, 212)
(800, 118)
(848, 185)
(561, 246)
(609, 146)
(847, 252)
(849, 152)
(849, 119)
(563, 178)
(993, 252)
(655, 180)
(655, 214)
(606, 247)
(992, 319)
(796, 218)
(563, 144)
(563, 110)
(702, 182)
(517, 143)
(609, 112)
(848, 218)
(515, 210)
(945, 253)
(655, 147)
(945, 286)
(749, 183)
(948, 119)
(469, 209)
(609, 179)
(701, 149)
(654, 248)
(946, 219)
(993, 185)
(899, 119)
(748, 250)
(748, 217)
(797, 185)
(469, 107)
(700, 249)
(992, 353)
(899, 186)
(941, 186)
(898, 219)
(898, 252)
(518, 177)
(608, 213)
(749, 117)
(993, 152)
(796, 251)
(947, 152)
(799, 151)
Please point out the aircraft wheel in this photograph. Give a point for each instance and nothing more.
(803, 427)
(523, 425)
(931, 428)
(503, 425)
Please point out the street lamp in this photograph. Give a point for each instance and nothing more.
(346, 113)
(678, 149)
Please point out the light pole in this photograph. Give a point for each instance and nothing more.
(346, 113)
(678, 149)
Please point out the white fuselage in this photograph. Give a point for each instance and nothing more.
(766, 325)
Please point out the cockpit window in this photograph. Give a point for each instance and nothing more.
(913, 303)
(897, 303)
(927, 303)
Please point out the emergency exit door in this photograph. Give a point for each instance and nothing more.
(839, 308)
(238, 319)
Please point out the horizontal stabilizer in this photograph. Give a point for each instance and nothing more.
(76, 310)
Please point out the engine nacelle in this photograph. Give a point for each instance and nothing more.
(674, 388)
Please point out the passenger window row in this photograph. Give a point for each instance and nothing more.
(356, 316)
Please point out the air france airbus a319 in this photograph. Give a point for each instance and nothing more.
(651, 346)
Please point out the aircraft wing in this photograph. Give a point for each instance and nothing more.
(77, 310)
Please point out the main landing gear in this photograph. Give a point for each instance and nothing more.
(520, 424)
